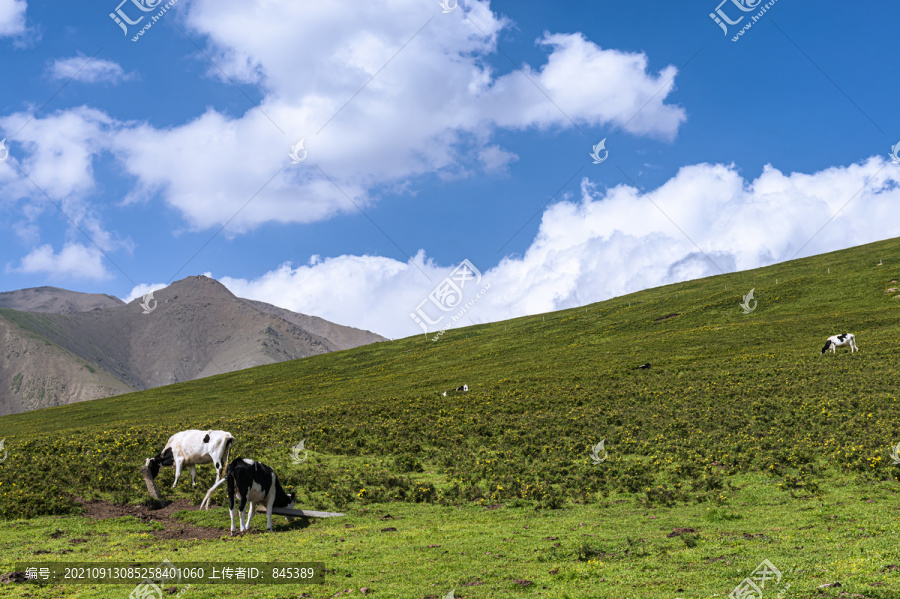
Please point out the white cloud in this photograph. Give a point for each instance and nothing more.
(12, 17)
(392, 115)
(613, 243)
(139, 291)
(57, 153)
(74, 261)
(434, 107)
(83, 68)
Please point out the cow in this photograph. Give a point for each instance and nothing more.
(254, 482)
(837, 340)
(192, 447)
(461, 389)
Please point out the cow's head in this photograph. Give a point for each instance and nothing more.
(827, 345)
(153, 466)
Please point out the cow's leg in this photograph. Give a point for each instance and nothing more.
(193, 475)
(231, 505)
(269, 505)
(178, 462)
(243, 506)
(250, 514)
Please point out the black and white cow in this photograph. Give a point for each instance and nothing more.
(189, 448)
(837, 340)
(462, 389)
(254, 482)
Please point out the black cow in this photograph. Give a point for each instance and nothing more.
(254, 482)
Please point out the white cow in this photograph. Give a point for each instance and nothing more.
(189, 448)
(837, 340)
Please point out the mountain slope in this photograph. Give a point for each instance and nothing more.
(197, 328)
(36, 373)
(56, 300)
(343, 337)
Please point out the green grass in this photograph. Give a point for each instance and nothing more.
(740, 426)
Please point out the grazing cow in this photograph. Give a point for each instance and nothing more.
(643, 366)
(463, 388)
(837, 340)
(254, 482)
(189, 448)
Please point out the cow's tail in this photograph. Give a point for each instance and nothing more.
(226, 456)
(209, 494)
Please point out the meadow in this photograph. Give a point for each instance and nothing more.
(740, 443)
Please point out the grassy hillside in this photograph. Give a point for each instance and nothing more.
(731, 399)
(746, 391)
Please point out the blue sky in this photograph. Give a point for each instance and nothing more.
(436, 137)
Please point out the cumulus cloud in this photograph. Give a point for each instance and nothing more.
(380, 94)
(12, 17)
(139, 291)
(429, 103)
(83, 68)
(57, 152)
(610, 243)
(74, 261)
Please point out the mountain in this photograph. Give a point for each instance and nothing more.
(56, 300)
(62, 347)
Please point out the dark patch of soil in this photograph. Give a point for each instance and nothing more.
(677, 532)
(172, 528)
(12, 577)
(673, 315)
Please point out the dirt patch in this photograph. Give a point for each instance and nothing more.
(677, 532)
(172, 528)
(12, 577)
